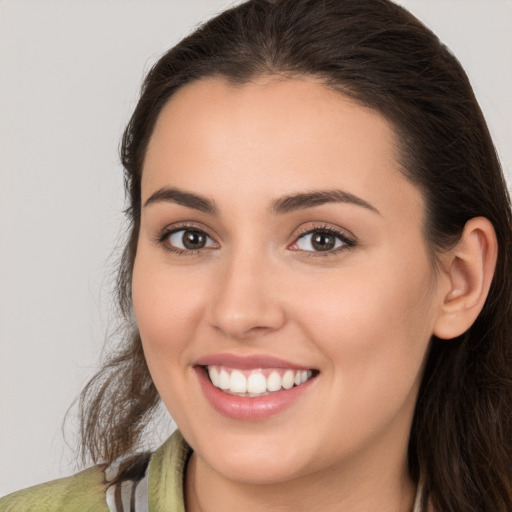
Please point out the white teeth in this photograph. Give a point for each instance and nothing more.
(288, 379)
(237, 382)
(214, 376)
(274, 382)
(223, 380)
(255, 383)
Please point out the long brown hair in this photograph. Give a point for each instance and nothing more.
(380, 55)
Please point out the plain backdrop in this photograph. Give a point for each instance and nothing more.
(70, 71)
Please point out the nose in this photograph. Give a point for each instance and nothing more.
(246, 303)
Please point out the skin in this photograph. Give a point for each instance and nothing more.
(363, 315)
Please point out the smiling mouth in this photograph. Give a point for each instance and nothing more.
(256, 382)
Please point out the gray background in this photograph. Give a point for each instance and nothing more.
(70, 71)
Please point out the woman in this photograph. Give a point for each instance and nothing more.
(317, 277)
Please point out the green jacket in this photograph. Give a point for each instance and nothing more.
(86, 491)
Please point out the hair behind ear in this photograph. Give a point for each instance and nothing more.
(463, 415)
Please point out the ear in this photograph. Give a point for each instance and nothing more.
(468, 270)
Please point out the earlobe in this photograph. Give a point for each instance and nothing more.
(469, 269)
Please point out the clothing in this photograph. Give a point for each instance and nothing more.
(157, 487)
(87, 491)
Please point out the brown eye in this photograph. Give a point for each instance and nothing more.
(322, 241)
(193, 239)
(190, 239)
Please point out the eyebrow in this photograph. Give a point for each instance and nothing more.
(283, 205)
(189, 199)
(306, 200)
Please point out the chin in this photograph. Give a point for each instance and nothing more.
(256, 471)
(254, 459)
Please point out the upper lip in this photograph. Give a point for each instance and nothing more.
(248, 362)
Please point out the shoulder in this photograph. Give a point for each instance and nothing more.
(129, 486)
(82, 492)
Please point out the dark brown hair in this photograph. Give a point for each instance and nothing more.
(380, 55)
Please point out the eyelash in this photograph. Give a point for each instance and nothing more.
(167, 232)
(347, 242)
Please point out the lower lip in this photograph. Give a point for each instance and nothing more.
(247, 408)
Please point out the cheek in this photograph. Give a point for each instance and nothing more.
(167, 306)
(374, 327)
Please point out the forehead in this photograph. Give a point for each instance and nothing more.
(275, 134)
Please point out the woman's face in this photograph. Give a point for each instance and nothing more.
(279, 239)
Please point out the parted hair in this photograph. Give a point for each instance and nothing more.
(384, 58)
